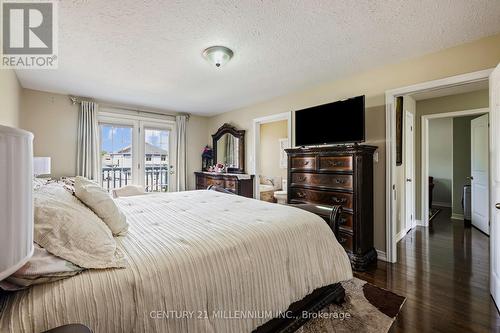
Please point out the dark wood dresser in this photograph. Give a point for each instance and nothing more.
(338, 175)
(238, 184)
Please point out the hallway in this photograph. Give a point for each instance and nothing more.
(443, 271)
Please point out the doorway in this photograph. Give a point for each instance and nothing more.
(272, 135)
(455, 166)
(392, 186)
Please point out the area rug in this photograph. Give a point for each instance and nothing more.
(367, 309)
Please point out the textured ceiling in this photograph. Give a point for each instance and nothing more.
(148, 53)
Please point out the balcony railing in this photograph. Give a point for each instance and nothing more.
(156, 178)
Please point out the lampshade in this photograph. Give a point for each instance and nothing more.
(41, 166)
(16, 200)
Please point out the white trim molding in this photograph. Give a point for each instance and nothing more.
(381, 255)
(390, 129)
(400, 235)
(457, 216)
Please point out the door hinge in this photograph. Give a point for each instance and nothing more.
(138, 165)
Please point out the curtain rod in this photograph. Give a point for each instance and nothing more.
(78, 100)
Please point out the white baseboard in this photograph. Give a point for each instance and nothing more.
(400, 235)
(441, 204)
(381, 255)
(457, 216)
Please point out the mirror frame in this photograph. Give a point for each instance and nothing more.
(240, 134)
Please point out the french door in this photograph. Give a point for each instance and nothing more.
(137, 150)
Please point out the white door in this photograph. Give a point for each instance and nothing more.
(409, 172)
(158, 158)
(495, 185)
(479, 172)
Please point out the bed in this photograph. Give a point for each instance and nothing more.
(198, 261)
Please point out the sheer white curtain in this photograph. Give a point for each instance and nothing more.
(181, 161)
(87, 163)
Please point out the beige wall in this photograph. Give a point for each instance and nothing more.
(10, 98)
(459, 102)
(270, 133)
(440, 159)
(478, 55)
(53, 119)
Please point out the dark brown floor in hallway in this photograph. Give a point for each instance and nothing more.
(443, 271)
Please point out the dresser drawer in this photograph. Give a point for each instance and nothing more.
(346, 221)
(335, 163)
(215, 181)
(231, 184)
(325, 180)
(303, 163)
(321, 197)
(345, 239)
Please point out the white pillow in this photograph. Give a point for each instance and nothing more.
(68, 229)
(97, 199)
(128, 191)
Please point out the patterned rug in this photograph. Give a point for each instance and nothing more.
(367, 309)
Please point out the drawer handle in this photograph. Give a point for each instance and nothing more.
(336, 163)
(342, 240)
(301, 179)
(301, 195)
(339, 181)
(306, 162)
(342, 220)
(339, 200)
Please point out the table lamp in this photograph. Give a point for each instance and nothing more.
(41, 166)
(16, 199)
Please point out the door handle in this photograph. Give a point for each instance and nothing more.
(497, 205)
(408, 180)
(470, 178)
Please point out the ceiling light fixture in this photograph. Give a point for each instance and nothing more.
(218, 55)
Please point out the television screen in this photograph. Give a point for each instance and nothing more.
(338, 122)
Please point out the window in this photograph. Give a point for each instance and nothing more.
(116, 155)
(136, 150)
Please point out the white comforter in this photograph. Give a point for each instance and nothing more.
(203, 257)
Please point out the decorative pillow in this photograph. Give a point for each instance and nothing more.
(69, 184)
(42, 267)
(128, 191)
(68, 229)
(97, 199)
(39, 182)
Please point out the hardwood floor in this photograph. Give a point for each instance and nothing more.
(443, 271)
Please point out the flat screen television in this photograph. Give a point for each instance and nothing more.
(333, 123)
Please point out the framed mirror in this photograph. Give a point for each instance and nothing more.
(229, 148)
